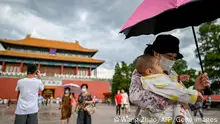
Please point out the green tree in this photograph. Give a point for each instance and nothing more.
(180, 67)
(116, 78)
(122, 76)
(209, 41)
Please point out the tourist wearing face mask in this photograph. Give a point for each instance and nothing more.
(166, 48)
(167, 54)
(84, 100)
(66, 107)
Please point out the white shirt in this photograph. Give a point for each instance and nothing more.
(28, 98)
(125, 98)
(57, 101)
(5, 101)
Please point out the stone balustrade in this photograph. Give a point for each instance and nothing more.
(57, 76)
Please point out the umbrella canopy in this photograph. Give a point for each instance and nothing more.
(74, 88)
(156, 16)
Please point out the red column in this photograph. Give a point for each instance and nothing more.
(76, 71)
(61, 69)
(21, 67)
(90, 70)
(3, 66)
(38, 67)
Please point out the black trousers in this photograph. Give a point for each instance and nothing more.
(200, 112)
(26, 119)
(84, 118)
(118, 109)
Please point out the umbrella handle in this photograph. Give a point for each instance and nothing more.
(197, 47)
(207, 91)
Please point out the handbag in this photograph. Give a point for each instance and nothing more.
(90, 109)
(194, 107)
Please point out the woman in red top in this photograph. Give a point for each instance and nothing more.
(118, 100)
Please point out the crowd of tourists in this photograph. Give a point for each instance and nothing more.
(29, 101)
(44, 101)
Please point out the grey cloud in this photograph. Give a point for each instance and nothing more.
(60, 20)
(114, 12)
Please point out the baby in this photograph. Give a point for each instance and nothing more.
(154, 80)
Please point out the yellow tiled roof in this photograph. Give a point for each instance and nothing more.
(49, 56)
(30, 41)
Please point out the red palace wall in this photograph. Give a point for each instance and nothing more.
(7, 88)
(96, 88)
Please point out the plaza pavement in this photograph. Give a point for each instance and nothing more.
(104, 115)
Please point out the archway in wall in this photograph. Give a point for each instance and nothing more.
(48, 93)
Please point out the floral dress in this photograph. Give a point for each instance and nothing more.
(148, 101)
(82, 98)
(83, 116)
(143, 98)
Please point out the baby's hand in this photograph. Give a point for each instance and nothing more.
(184, 77)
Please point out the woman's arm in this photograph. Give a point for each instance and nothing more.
(78, 103)
(18, 95)
(76, 107)
(60, 106)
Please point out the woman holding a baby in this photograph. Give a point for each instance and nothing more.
(157, 90)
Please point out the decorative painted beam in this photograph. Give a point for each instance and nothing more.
(54, 63)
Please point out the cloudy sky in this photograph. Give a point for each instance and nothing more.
(94, 23)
